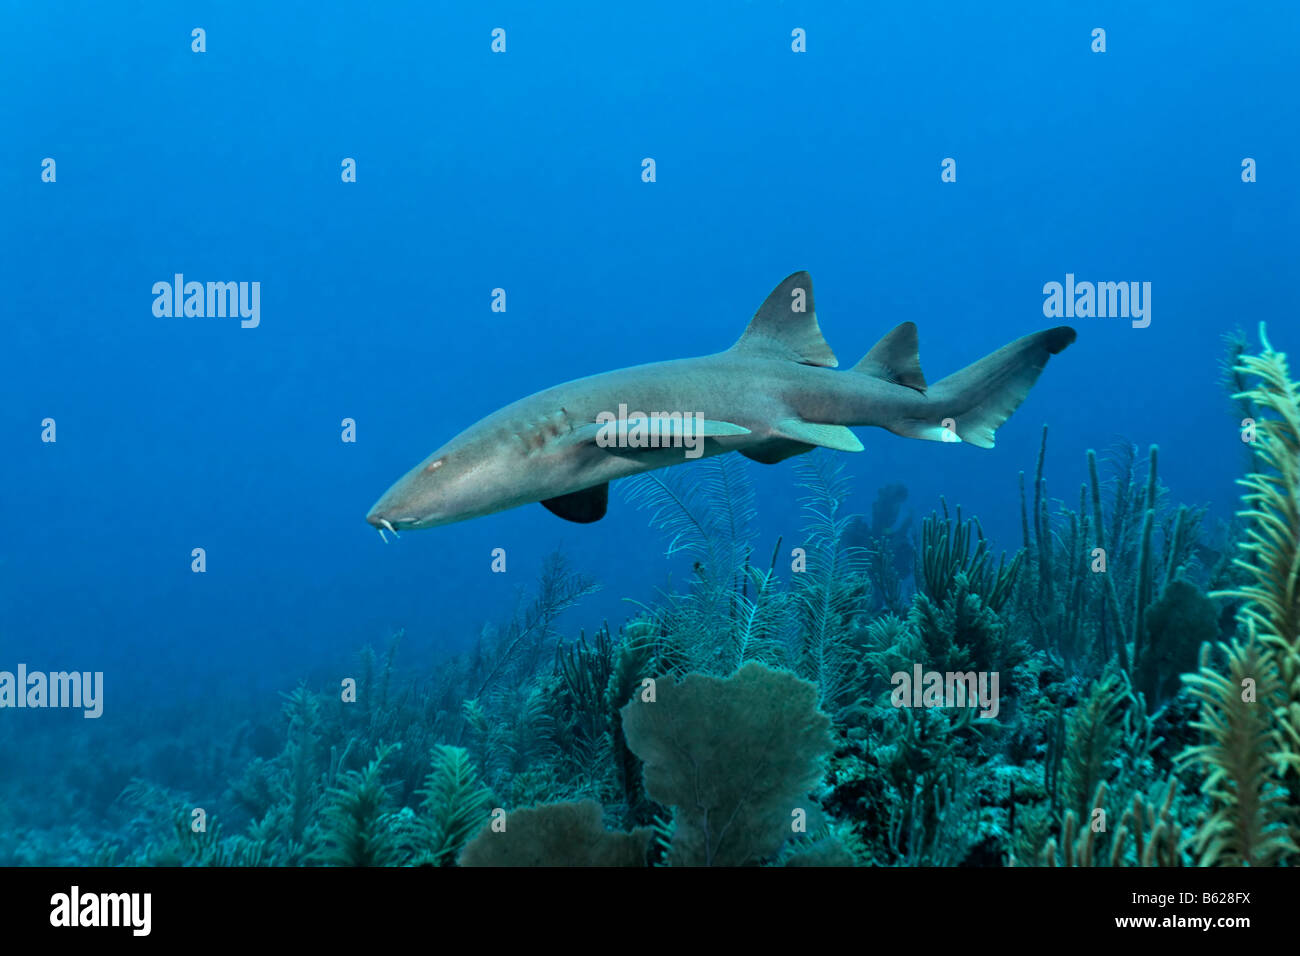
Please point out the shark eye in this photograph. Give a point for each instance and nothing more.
(434, 466)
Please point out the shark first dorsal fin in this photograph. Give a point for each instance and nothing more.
(583, 506)
(895, 358)
(785, 325)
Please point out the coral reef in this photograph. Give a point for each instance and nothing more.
(1148, 698)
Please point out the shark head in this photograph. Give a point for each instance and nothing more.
(462, 480)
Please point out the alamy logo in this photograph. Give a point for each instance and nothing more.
(949, 689)
(656, 430)
(215, 300)
(1103, 300)
(55, 689)
(102, 909)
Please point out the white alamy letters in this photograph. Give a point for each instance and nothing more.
(950, 689)
(82, 689)
(213, 300)
(75, 908)
(655, 430)
(1102, 300)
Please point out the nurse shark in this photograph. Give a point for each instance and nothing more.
(770, 396)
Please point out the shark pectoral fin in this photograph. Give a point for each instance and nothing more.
(584, 507)
(827, 436)
(656, 431)
(711, 429)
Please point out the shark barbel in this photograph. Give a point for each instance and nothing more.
(770, 396)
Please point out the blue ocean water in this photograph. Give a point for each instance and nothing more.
(522, 170)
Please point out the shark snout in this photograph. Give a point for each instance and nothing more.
(387, 518)
(383, 523)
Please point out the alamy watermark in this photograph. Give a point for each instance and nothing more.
(1102, 300)
(655, 430)
(70, 689)
(75, 908)
(947, 689)
(213, 300)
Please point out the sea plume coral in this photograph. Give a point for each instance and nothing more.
(1251, 716)
(359, 826)
(455, 804)
(1245, 825)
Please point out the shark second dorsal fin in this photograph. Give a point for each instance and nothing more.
(785, 325)
(895, 358)
(583, 506)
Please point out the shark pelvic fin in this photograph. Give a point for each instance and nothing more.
(777, 450)
(785, 326)
(583, 507)
(895, 358)
(809, 433)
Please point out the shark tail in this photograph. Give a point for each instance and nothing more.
(974, 402)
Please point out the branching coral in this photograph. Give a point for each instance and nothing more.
(1146, 835)
(961, 631)
(946, 552)
(1093, 733)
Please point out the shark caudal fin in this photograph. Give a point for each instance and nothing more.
(975, 401)
(785, 326)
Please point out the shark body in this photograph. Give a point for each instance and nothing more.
(772, 395)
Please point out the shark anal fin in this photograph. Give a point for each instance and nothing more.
(584, 507)
(785, 326)
(809, 433)
(779, 449)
